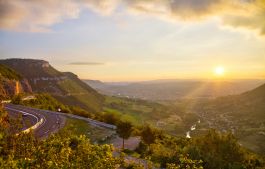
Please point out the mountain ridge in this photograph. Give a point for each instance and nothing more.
(65, 86)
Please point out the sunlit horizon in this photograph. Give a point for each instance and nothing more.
(138, 40)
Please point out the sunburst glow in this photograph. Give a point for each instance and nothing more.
(219, 71)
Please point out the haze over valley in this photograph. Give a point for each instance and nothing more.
(132, 84)
(175, 89)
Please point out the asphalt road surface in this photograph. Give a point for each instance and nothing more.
(45, 121)
(48, 122)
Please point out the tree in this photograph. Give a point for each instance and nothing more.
(124, 130)
(110, 118)
(148, 135)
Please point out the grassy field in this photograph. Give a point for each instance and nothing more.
(80, 127)
(172, 118)
(136, 111)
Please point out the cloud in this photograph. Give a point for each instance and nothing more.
(104, 7)
(254, 19)
(177, 9)
(87, 63)
(35, 15)
(248, 14)
(40, 15)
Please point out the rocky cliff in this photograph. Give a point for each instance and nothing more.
(12, 83)
(66, 87)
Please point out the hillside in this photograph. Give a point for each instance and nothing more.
(250, 104)
(64, 86)
(12, 83)
(243, 114)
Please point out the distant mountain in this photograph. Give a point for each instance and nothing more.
(174, 89)
(12, 83)
(65, 86)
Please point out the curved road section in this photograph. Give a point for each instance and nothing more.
(45, 122)
(42, 122)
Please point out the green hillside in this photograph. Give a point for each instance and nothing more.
(250, 104)
(6, 72)
(243, 114)
(66, 87)
(77, 93)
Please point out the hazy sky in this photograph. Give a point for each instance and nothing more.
(121, 40)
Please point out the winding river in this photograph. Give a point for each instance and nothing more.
(192, 128)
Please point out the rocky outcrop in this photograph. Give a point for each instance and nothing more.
(10, 87)
(12, 83)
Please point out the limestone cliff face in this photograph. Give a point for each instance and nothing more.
(12, 83)
(10, 87)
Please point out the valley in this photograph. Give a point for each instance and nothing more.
(132, 84)
(65, 103)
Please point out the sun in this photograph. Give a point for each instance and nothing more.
(219, 70)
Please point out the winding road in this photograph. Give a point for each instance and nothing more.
(42, 122)
(45, 122)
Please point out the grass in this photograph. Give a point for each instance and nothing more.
(71, 86)
(80, 96)
(80, 127)
(140, 112)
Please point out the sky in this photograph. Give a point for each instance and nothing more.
(135, 40)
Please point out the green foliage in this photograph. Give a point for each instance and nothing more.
(214, 150)
(186, 163)
(80, 112)
(9, 73)
(124, 130)
(59, 151)
(110, 118)
(135, 110)
(221, 151)
(148, 135)
(47, 102)
(62, 150)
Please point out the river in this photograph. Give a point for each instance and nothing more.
(192, 128)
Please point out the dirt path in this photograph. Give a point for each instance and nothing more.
(130, 144)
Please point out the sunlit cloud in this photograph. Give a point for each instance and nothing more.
(40, 15)
(248, 14)
(253, 19)
(86, 63)
(35, 16)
